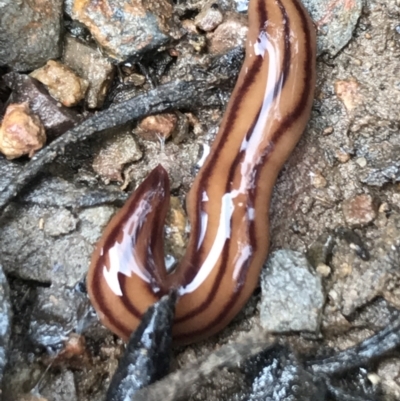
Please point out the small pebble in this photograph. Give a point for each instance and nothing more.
(61, 82)
(343, 157)
(361, 161)
(318, 180)
(323, 270)
(344, 270)
(348, 93)
(384, 208)
(359, 210)
(135, 79)
(189, 26)
(158, 127)
(60, 223)
(230, 34)
(21, 132)
(209, 18)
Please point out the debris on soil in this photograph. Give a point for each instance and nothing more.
(178, 94)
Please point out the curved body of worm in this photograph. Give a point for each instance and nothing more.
(229, 201)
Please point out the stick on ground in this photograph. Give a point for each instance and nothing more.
(173, 95)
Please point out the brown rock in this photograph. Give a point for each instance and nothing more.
(61, 82)
(360, 210)
(160, 126)
(228, 35)
(21, 132)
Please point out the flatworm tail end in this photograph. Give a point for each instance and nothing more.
(127, 271)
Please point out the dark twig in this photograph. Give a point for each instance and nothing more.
(174, 95)
(360, 355)
(179, 385)
(340, 395)
(147, 356)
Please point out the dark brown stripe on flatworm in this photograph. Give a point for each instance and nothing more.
(302, 103)
(217, 320)
(287, 49)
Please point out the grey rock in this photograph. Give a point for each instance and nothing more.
(56, 253)
(292, 297)
(94, 220)
(30, 33)
(59, 223)
(23, 246)
(370, 279)
(336, 23)
(57, 313)
(30, 253)
(61, 388)
(5, 321)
